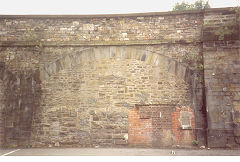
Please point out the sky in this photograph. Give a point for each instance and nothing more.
(90, 7)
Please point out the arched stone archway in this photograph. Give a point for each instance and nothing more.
(115, 52)
(87, 96)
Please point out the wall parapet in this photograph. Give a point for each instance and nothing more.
(122, 29)
(115, 15)
(116, 29)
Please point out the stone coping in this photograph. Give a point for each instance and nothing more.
(92, 43)
(162, 104)
(116, 15)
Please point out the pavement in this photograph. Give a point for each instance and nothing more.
(116, 152)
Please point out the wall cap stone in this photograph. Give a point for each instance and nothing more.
(92, 43)
(115, 15)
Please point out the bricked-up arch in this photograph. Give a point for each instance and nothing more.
(92, 54)
(64, 97)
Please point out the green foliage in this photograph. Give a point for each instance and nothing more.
(28, 146)
(198, 5)
(201, 67)
(192, 58)
(195, 142)
(182, 6)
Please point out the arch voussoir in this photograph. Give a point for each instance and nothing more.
(114, 52)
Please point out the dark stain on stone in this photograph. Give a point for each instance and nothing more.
(143, 57)
(23, 94)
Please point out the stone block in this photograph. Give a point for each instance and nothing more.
(118, 136)
(120, 142)
(54, 133)
(95, 125)
(88, 27)
(110, 126)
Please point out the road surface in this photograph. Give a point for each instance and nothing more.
(116, 152)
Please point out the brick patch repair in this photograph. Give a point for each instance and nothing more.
(161, 126)
(140, 129)
(183, 126)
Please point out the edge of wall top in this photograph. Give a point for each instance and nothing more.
(116, 15)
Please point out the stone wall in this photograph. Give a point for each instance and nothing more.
(1, 114)
(106, 28)
(222, 83)
(76, 81)
(221, 72)
(20, 99)
(93, 95)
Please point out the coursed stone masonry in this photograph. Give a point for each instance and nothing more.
(76, 81)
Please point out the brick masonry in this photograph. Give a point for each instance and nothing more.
(140, 129)
(75, 81)
(183, 126)
(161, 125)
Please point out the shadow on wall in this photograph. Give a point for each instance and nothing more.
(22, 94)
